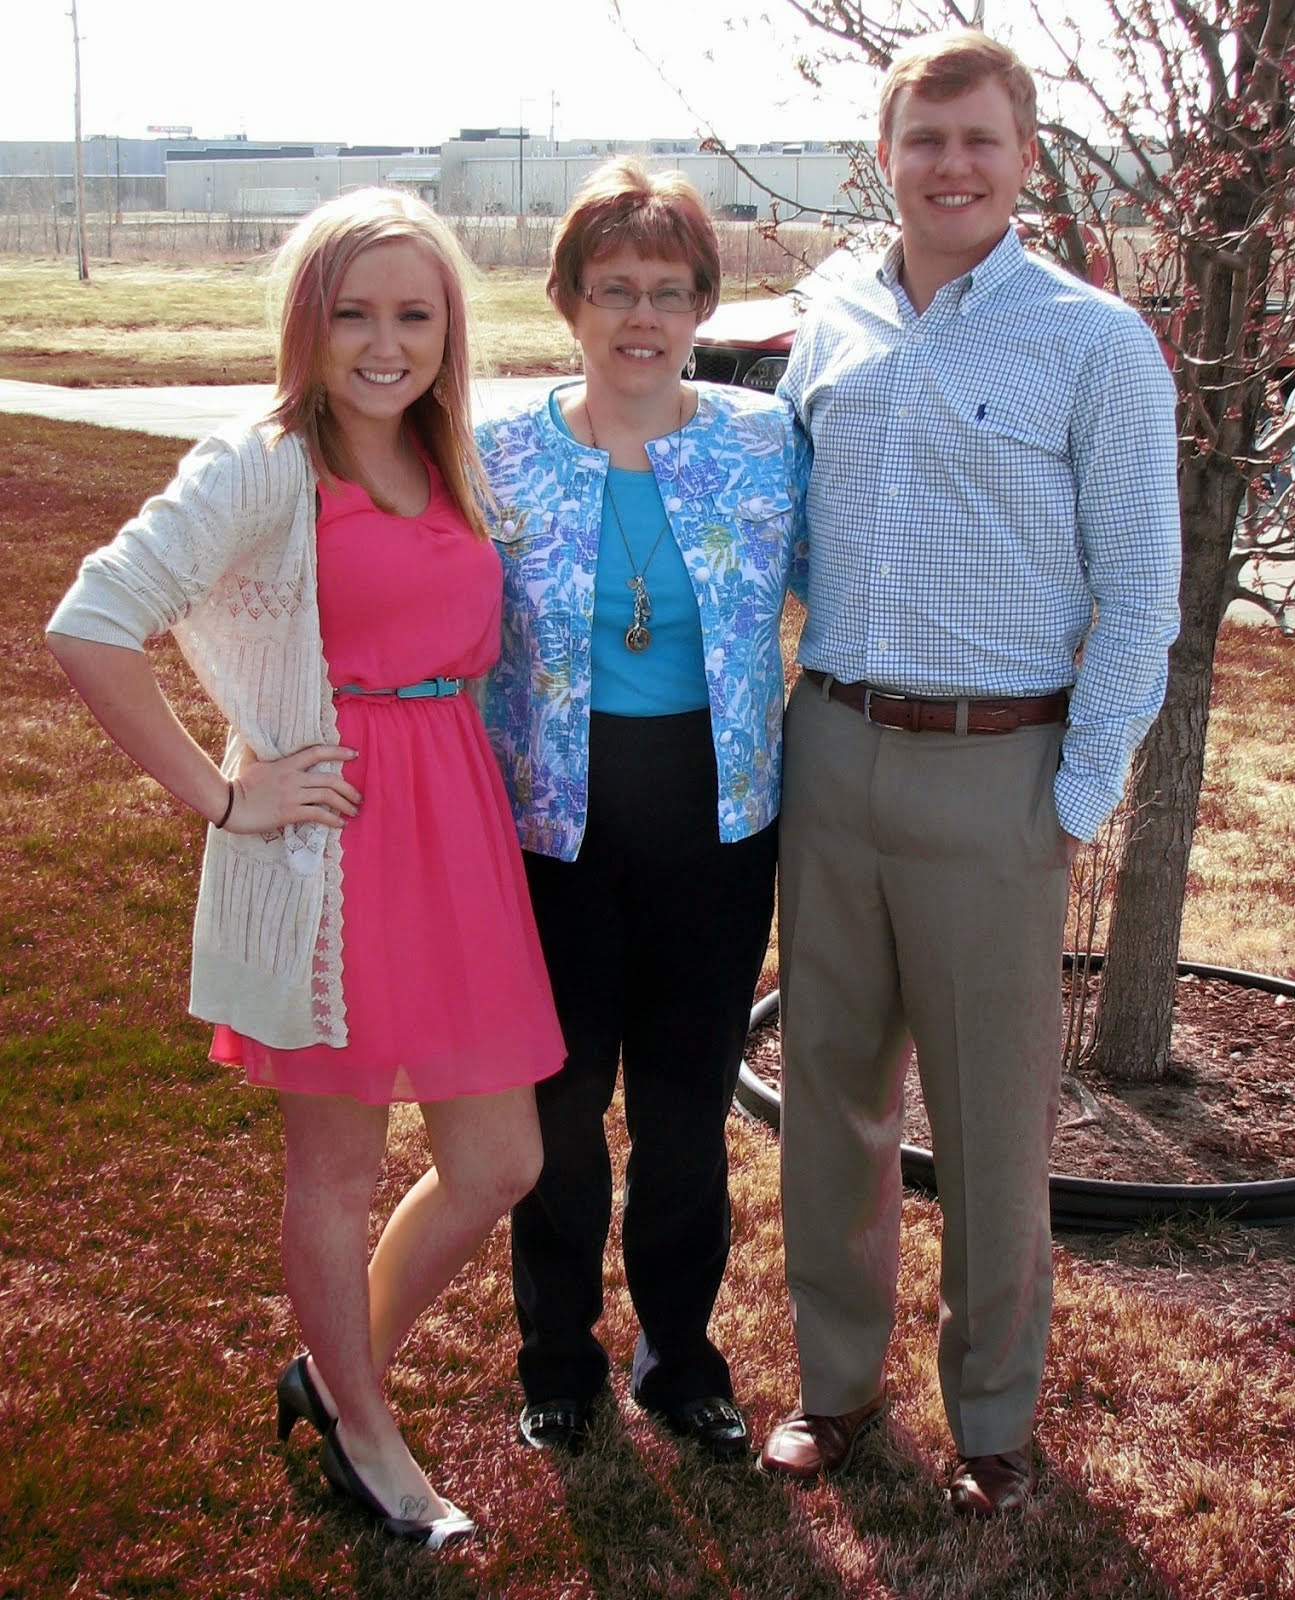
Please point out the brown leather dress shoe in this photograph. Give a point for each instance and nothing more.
(803, 1445)
(987, 1486)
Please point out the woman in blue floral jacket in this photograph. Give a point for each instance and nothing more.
(649, 529)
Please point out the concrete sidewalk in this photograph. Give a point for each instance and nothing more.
(193, 412)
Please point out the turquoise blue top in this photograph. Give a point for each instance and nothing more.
(670, 675)
(733, 482)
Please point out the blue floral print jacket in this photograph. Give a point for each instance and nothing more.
(735, 505)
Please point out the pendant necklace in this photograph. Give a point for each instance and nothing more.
(638, 636)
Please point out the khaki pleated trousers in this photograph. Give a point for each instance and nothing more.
(923, 882)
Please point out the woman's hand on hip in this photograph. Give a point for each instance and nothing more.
(269, 795)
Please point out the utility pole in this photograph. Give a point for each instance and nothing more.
(521, 139)
(82, 254)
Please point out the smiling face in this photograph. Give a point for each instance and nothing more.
(386, 336)
(956, 168)
(636, 354)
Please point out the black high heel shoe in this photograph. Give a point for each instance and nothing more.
(452, 1528)
(298, 1397)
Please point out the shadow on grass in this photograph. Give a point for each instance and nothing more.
(1061, 1547)
(696, 1528)
(883, 1530)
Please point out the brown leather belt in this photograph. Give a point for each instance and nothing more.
(914, 715)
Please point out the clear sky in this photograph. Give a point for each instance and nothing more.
(415, 71)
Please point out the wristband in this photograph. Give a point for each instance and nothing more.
(228, 808)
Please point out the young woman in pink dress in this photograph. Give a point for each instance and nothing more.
(363, 933)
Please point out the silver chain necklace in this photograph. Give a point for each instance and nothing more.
(638, 636)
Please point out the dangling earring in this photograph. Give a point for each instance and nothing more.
(321, 400)
(438, 389)
(690, 366)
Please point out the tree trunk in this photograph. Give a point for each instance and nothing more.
(1131, 1038)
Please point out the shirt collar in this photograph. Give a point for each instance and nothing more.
(888, 271)
(1006, 258)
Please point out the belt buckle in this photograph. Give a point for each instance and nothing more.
(870, 694)
(429, 689)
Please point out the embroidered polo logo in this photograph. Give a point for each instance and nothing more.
(980, 411)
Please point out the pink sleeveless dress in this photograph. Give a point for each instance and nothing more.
(445, 987)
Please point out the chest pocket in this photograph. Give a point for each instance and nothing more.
(741, 530)
(1007, 447)
(531, 544)
(516, 530)
(1022, 419)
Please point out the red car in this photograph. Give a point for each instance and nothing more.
(747, 341)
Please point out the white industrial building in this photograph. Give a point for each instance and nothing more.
(481, 172)
(500, 173)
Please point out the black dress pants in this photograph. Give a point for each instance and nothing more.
(654, 938)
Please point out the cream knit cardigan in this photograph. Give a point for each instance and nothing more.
(225, 559)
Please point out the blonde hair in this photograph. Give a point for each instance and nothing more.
(308, 273)
(947, 65)
(624, 206)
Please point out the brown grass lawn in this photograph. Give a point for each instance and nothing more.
(142, 1317)
(199, 321)
(140, 323)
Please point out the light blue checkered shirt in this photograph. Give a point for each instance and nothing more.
(983, 475)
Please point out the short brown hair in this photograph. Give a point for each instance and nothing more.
(947, 65)
(623, 205)
(308, 273)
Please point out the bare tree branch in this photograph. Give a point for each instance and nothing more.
(1273, 55)
(1206, 39)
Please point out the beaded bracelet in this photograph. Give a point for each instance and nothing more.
(228, 808)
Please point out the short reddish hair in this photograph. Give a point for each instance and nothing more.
(947, 65)
(623, 205)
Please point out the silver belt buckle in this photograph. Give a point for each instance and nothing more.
(870, 694)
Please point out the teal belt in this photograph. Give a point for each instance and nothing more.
(425, 689)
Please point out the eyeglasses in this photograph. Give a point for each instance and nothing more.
(620, 297)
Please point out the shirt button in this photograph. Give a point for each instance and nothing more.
(905, 411)
(674, 503)
(730, 817)
(702, 574)
(510, 526)
(662, 447)
(893, 490)
(884, 569)
(883, 644)
(726, 737)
